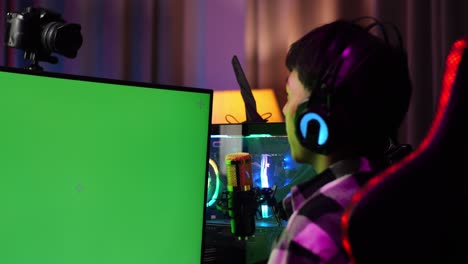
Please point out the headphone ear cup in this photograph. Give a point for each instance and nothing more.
(311, 128)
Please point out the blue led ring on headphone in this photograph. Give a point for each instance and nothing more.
(323, 130)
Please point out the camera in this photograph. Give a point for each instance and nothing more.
(39, 32)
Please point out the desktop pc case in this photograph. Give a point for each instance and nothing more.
(272, 165)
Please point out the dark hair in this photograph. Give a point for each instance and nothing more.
(370, 89)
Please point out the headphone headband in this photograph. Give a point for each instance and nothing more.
(381, 26)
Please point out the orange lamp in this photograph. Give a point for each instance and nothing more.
(228, 106)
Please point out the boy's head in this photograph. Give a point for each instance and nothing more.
(348, 91)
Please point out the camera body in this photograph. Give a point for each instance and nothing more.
(39, 32)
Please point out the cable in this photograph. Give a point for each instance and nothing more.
(226, 117)
(229, 115)
(267, 113)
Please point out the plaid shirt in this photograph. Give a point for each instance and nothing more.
(313, 233)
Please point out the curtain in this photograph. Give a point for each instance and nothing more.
(191, 42)
(428, 29)
(173, 42)
(118, 37)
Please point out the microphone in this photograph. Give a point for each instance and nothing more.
(241, 198)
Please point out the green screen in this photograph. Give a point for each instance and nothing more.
(101, 172)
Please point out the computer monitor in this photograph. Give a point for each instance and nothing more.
(101, 171)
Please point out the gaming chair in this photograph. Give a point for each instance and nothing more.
(415, 211)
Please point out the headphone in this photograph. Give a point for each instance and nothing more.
(316, 126)
(313, 116)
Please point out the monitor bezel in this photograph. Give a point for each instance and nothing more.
(137, 84)
(108, 80)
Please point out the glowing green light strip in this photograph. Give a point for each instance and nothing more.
(249, 136)
(216, 193)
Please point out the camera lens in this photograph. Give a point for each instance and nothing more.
(62, 38)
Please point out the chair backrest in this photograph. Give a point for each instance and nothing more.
(415, 211)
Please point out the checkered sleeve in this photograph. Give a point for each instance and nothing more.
(313, 233)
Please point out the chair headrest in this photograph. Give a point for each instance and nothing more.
(398, 200)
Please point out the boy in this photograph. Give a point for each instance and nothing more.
(348, 92)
